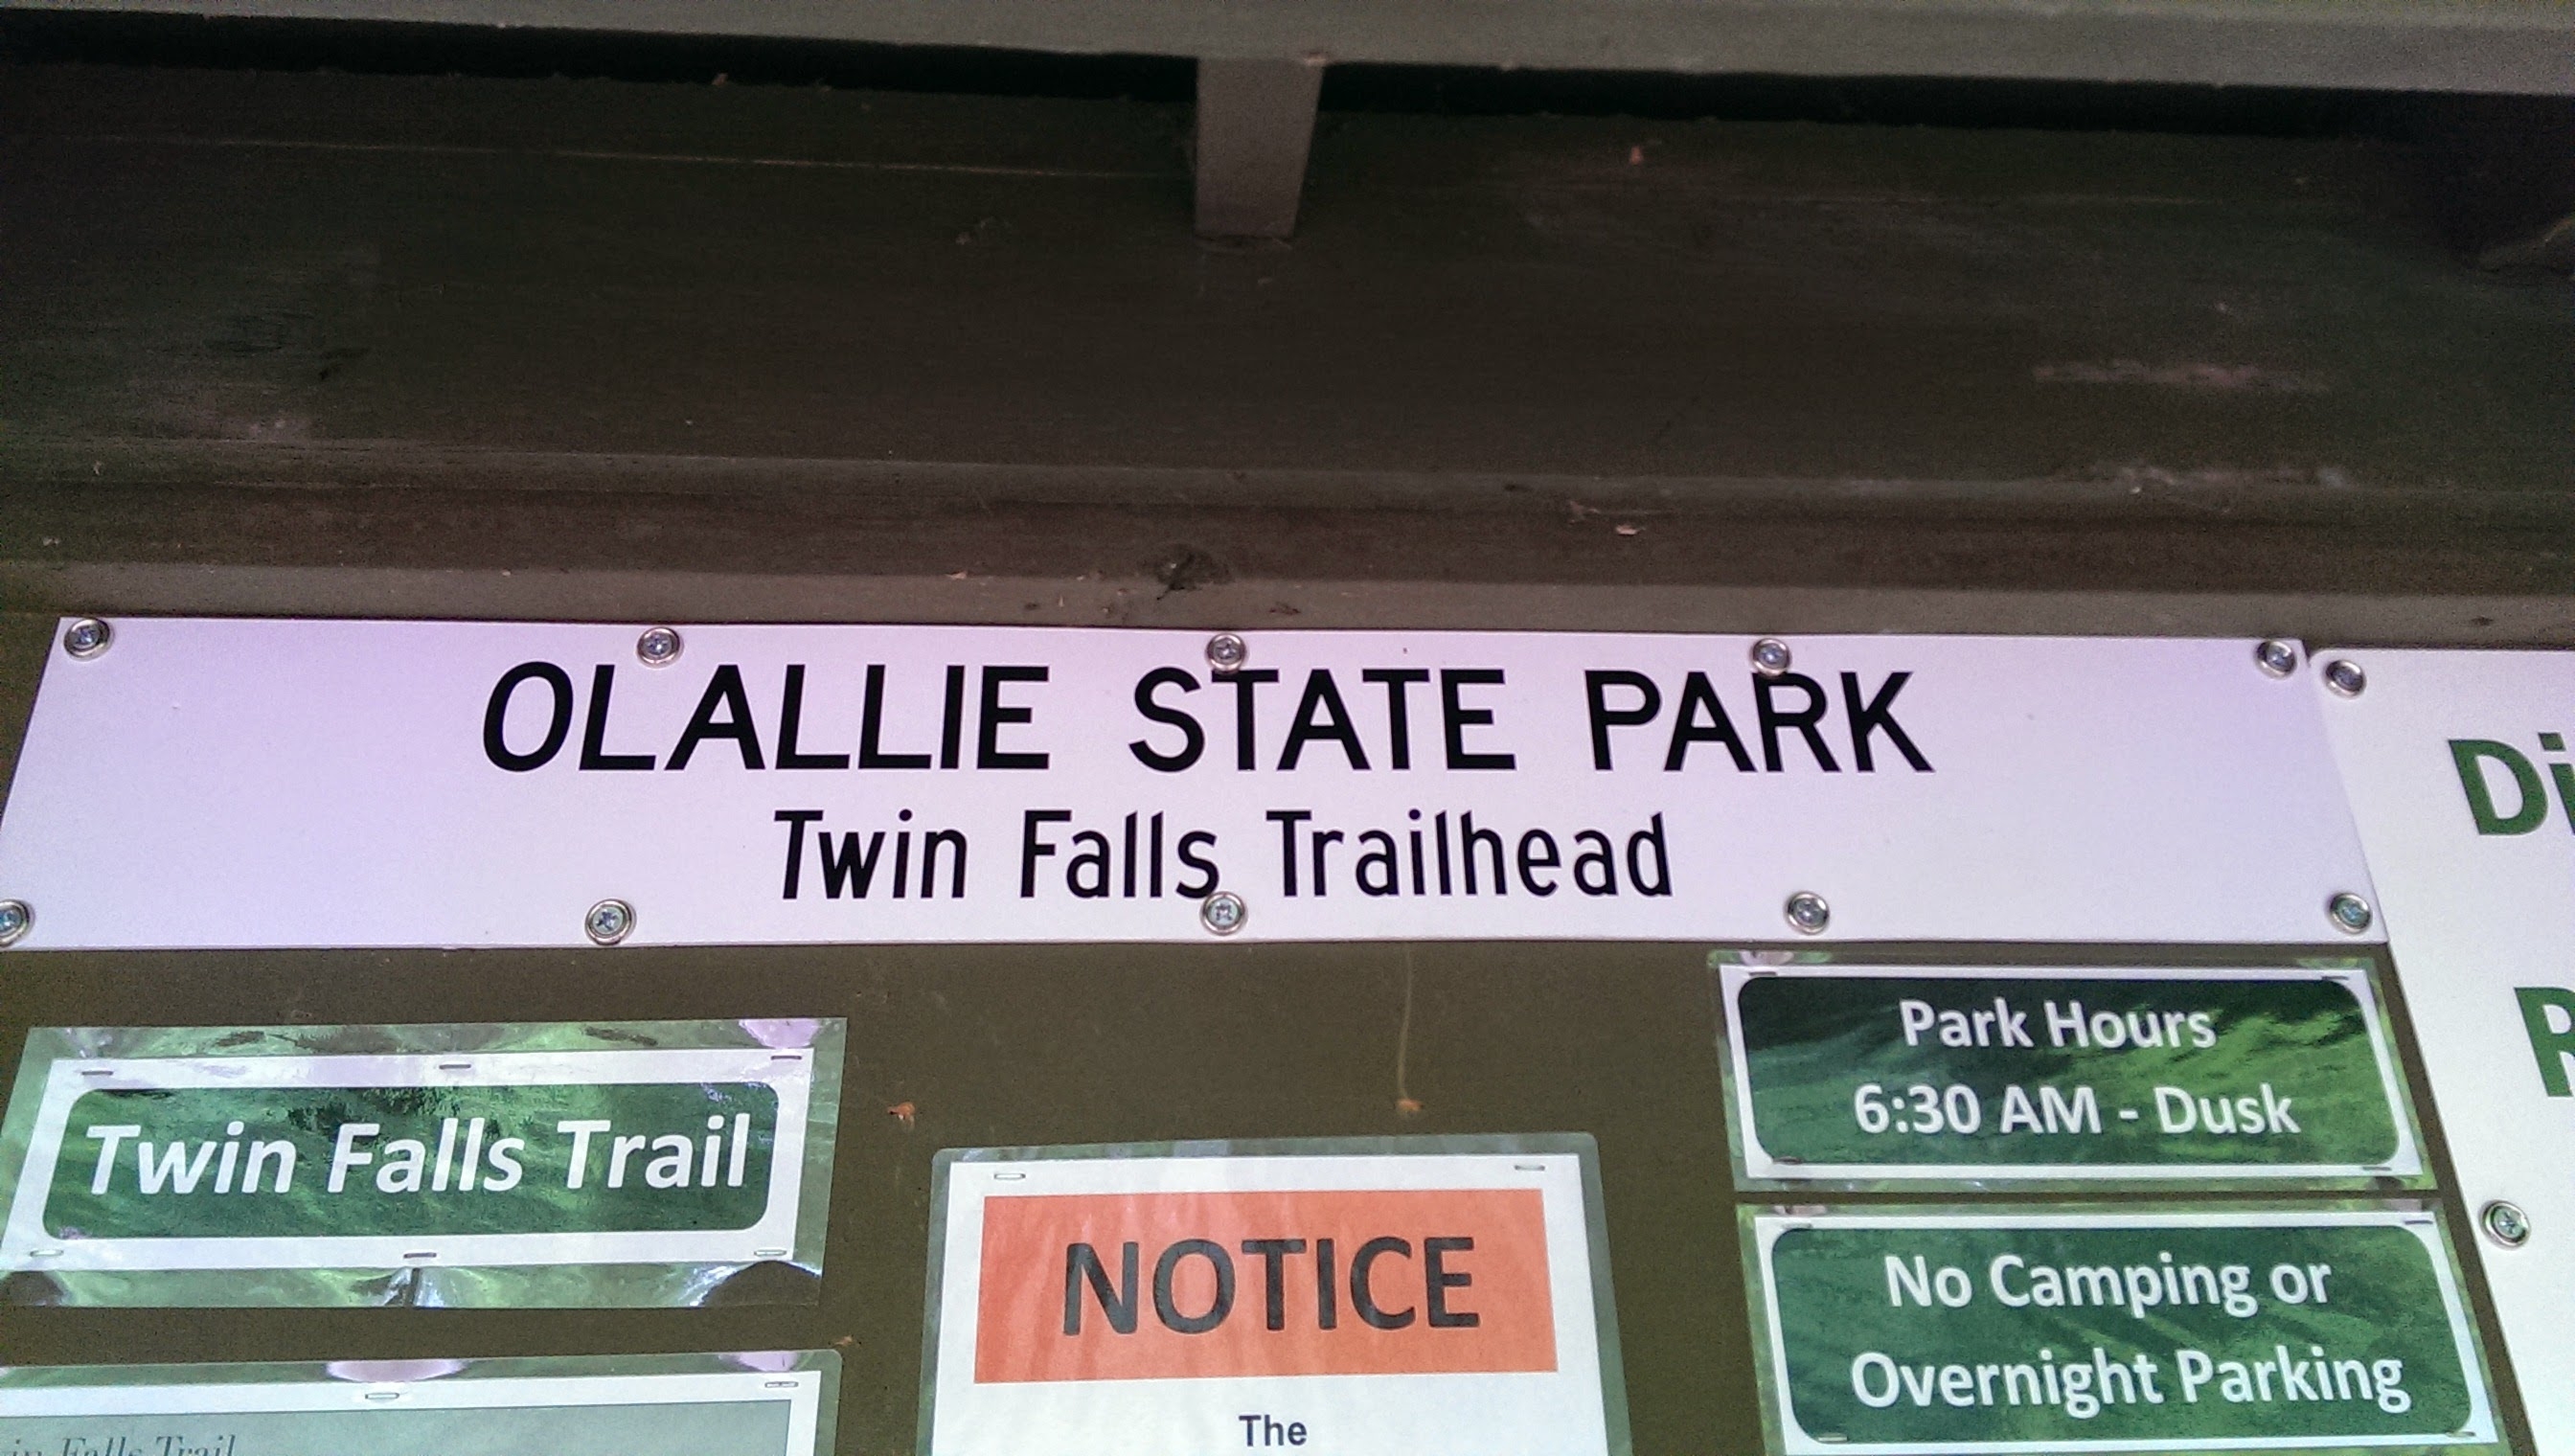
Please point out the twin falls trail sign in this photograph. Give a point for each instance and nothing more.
(761, 1404)
(1936, 1331)
(2463, 786)
(270, 784)
(484, 1165)
(1948, 1073)
(1418, 1295)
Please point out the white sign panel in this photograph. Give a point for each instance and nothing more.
(219, 783)
(2461, 780)
(754, 1404)
(1367, 1303)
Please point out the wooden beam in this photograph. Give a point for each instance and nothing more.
(2483, 46)
(1255, 120)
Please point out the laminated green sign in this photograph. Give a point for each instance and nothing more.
(759, 1404)
(313, 1163)
(1953, 1075)
(1917, 1331)
(634, 1163)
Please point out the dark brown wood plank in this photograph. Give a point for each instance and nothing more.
(718, 351)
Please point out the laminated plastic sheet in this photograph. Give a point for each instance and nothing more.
(1952, 1331)
(1862, 1072)
(761, 1403)
(571, 1164)
(2459, 777)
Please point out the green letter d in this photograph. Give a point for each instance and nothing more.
(2548, 1043)
(2481, 807)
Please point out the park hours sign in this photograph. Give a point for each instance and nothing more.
(1953, 1073)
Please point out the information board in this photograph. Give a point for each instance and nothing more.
(1389, 1297)
(611, 1163)
(1919, 1331)
(257, 783)
(1857, 1073)
(761, 1404)
(2460, 778)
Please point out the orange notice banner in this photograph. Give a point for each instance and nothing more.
(1140, 1286)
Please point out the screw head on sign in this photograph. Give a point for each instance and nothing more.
(1770, 656)
(1224, 912)
(2276, 657)
(15, 917)
(659, 647)
(609, 922)
(2344, 676)
(1227, 652)
(2351, 914)
(1808, 914)
(2506, 1224)
(87, 638)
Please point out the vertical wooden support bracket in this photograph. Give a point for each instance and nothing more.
(1256, 121)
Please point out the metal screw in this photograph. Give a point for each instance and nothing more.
(1808, 914)
(659, 647)
(1224, 912)
(1770, 656)
(87, 638)
(1227, 652)
(15, 917)
(2344, 676)
(2276, 657)
(2351, 914)
(2506, 1224)
(609, 922)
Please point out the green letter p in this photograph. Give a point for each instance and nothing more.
(2549, 1044)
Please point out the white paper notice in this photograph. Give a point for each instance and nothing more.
(2459, 776)
(241, 784)
(1370, 1304)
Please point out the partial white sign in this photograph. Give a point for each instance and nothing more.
(1377, 1303)
(2465, 792)
(220, 784)
(755, 1404)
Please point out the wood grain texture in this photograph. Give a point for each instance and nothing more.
(734, 348)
